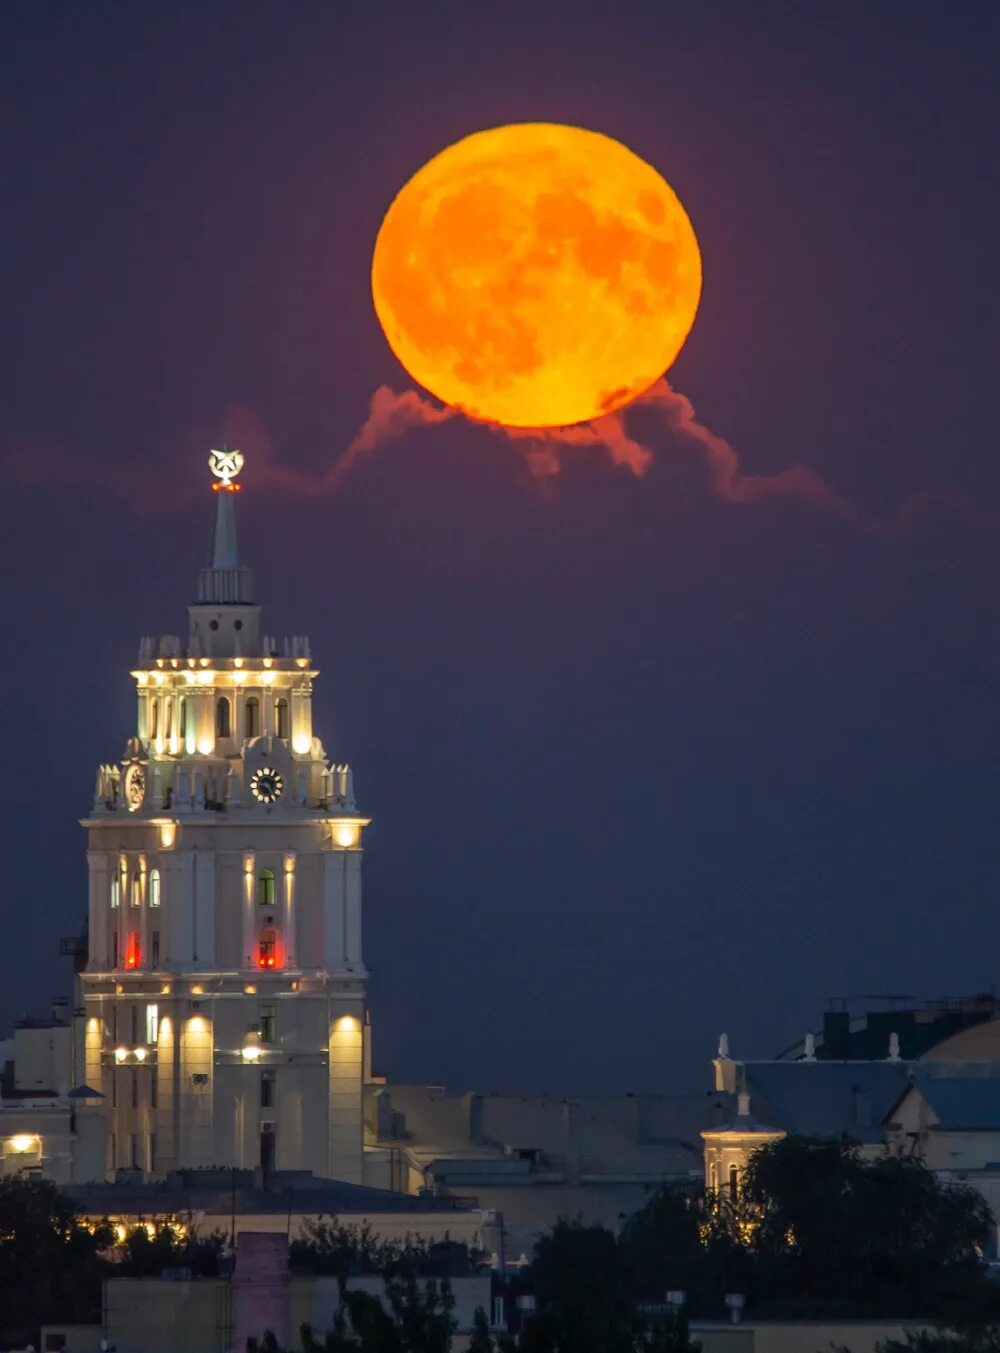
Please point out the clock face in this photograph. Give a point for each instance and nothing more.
(266, 785)
(135, 787)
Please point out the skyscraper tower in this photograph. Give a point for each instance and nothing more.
(224, 993)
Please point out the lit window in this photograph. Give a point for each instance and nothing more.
(265, 888)
(116, 891)
(136, 890)
(152, 1024)
(154, 888)
(251, 717)
(222, 712)
(281, 718)
(266, 949)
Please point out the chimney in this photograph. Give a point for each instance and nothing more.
(384, 1116)
(473, 1103)
(836, 1036)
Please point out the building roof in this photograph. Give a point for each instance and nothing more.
(212, 1191)
(972, 1104)
(827, 1099)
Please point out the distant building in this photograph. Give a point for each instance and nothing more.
(930, 1090)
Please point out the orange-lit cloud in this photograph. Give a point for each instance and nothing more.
(545, 452)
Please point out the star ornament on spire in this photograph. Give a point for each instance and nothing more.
(225, 463)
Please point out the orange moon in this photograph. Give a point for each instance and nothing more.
(536, 275)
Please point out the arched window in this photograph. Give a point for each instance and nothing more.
(154, 717)
(154, 888)
(222, 729)
(168, 731)
(734, 1178)
(265, 888)
(281, 718)
(116, 891)
(251, 717)
(184, 717)
(137, 890)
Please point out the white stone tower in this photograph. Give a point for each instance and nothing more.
(224, 993)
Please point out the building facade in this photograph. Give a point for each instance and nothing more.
(224, 990)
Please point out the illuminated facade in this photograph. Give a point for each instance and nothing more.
(224, 990)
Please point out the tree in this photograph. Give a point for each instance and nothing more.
(481, 1340)
(683, 1240)
(50, 1269)
(835, 1234)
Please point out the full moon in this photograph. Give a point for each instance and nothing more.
(536, 275)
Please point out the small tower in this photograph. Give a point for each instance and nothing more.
(224, 991)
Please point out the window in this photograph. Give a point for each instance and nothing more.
(281, 718)
(183, 717)
(135, 1024)
(152, 1089)
(154, 949)
(170, 718)
(137, 890)
(268, 1021)
(114, 1090)
(154, 888)
(152, 1147)
(734, 1177)
(114, 950)
(152, 1024)
(266, 949)
(267, 1089)
(265, 888)
(222, 712)
(135, 1093)
(134, 1150)
(713, 1177)
(251, 717)
(154, 717)
(116, 891)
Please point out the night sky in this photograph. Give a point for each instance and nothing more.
(643, 764)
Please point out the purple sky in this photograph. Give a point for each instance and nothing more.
(643, 764)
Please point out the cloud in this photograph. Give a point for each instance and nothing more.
(546, 452)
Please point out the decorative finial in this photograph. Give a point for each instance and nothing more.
(225, 463)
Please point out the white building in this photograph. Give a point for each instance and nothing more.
(224, 991)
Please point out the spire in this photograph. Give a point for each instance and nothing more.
(225, 582)
(224, 551)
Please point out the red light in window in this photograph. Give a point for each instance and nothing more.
(132, 952)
